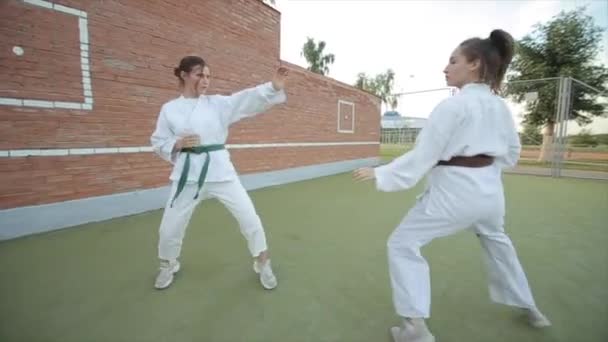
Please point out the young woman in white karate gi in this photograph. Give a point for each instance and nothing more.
(190, 133)
(468, 139)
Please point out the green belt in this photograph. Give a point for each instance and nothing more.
(201, 179)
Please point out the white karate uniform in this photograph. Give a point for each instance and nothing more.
(209, 117)
(473, 122)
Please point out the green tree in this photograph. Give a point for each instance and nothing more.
(584, 138)
(380, 85)
(565, 46)
(531, 135)
(318, 60)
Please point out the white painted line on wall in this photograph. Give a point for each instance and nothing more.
(83, 29)
(147, 149)
(10, 101)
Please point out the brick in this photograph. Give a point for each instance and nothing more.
(131, 52)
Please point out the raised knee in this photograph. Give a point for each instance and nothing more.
(398, 242)
(494, 237)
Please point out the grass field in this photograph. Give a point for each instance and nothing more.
(327, 237)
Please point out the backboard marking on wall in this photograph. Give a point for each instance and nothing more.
(346, 117)
(83, 36)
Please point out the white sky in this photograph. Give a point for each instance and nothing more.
(414, 38)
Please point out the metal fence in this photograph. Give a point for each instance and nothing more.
(566, 142)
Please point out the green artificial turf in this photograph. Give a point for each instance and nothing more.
(328, 243)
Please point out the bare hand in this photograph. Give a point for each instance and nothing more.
(278, 81)
(364, 174)
(187, 141)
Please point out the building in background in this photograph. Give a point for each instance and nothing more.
(400, 130)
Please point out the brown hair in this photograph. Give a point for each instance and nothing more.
(186, 65)
(494, 54)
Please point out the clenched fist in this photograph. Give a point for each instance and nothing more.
(187, 141)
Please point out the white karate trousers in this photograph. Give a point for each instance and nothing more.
(231, 194)
(450, 204)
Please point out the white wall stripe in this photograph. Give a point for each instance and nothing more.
(40, 3)
(309, 144)
(129, 149)
(10, 102)
(84, 62)
(67, 105)
(84, 31)
(38, 103)
(147, 149)
(82, 151)
(24, 153)
(67, 10)
(63, 152)
(105, 150)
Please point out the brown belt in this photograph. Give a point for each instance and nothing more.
(480, 160)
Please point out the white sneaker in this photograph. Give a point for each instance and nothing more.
(165, 275)
(537, 319)
(414, 330)
(267, 278)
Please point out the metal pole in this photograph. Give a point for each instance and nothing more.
(563, 128)
(534, 80)
(421, 91)
(588, 86)
(556, 128)
(560, 133)
(567, 110)
(558, 121)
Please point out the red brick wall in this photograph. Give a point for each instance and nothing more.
(132, 52)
